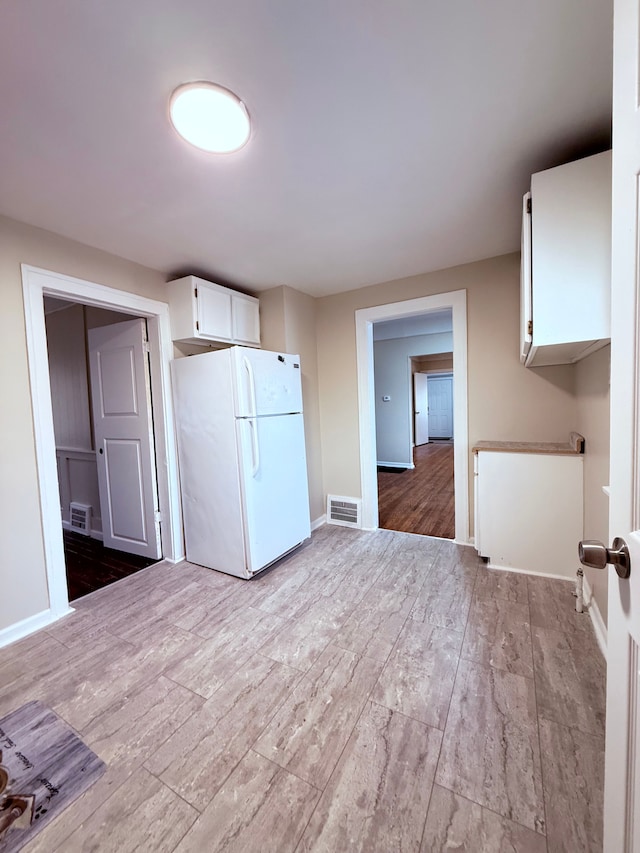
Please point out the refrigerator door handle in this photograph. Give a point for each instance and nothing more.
(252, 388)
(255, 447)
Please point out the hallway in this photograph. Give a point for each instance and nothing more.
(420, 500)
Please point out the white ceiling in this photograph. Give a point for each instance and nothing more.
(389, 138)
(430, 323)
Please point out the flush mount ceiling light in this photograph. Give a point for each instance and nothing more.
(210, 117)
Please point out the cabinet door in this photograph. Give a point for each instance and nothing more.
(571, 245)
(526, 305)
(246, 320)
(214, 313)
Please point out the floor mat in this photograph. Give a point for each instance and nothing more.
(44, 767)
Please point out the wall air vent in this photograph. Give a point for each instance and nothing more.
(344, 511)
(80, 518)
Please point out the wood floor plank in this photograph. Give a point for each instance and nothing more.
(275, 807)
(310, 730)
(420, 500)
(498, 634)
(196, 760)
(377, 796)
(573, 769)
(570, 679)
(418, 678)
(494, 760)
(143, 814)
(457, 824)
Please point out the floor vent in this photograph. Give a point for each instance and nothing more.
(344, 511)
(80, 517)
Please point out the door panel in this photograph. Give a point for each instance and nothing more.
(274, 486)
(117, 388)
(123, 478)
(123, 430)
(622, 760)
(421, 408)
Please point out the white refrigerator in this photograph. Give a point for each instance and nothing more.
(241, 450)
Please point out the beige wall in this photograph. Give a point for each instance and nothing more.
(24, 582)
(592, 393)
(288, 323)
(506, 400)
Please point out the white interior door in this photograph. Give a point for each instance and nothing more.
(622, 763)
(123, 430)
(441, 406)
(420, 408)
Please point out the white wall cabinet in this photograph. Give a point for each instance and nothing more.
(528, 511)
(203, 312)
(566, 262)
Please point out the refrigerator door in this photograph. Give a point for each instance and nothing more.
(274, 486)
(266, 383)
(211, 492)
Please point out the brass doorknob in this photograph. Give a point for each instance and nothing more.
(596, 555)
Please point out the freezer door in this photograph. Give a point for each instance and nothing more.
(274, 486)
(267, 383)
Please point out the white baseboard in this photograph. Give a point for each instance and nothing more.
(173, 561)
(596, 617)
(22, 629)
(401, 465)
(318, 522)
(95, 534)
(529, 572)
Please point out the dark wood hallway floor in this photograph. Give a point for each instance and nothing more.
(421, 500)
(91, 566)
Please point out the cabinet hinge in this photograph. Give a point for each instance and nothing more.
(529, 205)
(530, 327)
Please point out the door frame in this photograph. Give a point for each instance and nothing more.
(365, 318)
(37, 283)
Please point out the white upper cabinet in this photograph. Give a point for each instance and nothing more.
(203, 312)
(566, 262)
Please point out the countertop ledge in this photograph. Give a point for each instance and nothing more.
(574, 447)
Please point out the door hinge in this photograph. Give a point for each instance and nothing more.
(195, 292)
(146, 347)
(157, 516)
(530, 327)
(529, 205)
(197, 326)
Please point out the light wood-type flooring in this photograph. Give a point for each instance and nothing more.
(420, 500)
(375, 691)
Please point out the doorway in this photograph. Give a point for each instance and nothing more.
(418, 497)
(38, 283)
(107, 534)
(365, 320)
